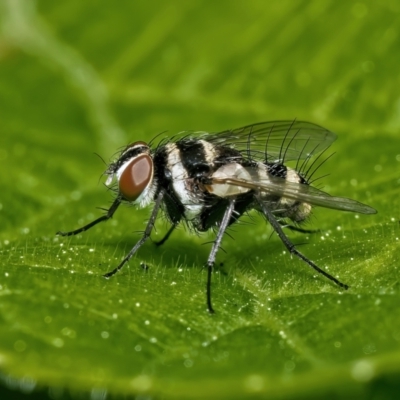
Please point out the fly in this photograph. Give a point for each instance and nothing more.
(208, 181)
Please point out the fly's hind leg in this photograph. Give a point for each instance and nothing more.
(289, 245)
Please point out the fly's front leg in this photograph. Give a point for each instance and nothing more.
(105, 217)
(146, 235)
(289, 245)
(211, 258)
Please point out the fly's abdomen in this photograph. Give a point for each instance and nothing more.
(297, 211)
(284, 204)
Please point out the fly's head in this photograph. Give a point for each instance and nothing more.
(134, 171)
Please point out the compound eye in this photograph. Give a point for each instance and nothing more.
(135, 177)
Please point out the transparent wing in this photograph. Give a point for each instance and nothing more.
(276, 140)
(275, 186)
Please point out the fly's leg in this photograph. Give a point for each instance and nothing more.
(146, 235)
(213, 253)
(301, 230)
(167, 235)
(105, 217)
(290, 246)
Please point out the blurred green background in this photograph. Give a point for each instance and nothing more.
(85, 77)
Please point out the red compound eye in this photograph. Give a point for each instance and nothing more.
(136, 177)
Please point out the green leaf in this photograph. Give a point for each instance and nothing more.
(78, 78)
